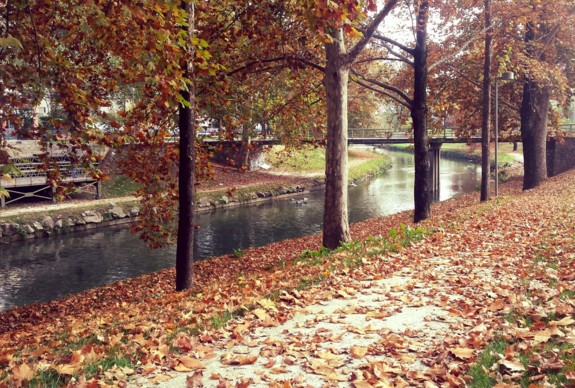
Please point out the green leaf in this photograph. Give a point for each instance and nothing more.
(10, 41)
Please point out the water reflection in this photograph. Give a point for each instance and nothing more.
(40, 270)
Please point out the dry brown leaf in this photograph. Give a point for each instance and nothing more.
(361, 384)
(499, 304)
(240, 360)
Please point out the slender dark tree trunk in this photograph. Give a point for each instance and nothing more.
(422, 196)
(534, 115)
(335, 219)
(486, 117)
(186, 121)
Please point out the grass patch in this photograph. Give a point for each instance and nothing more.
(479, 372)
(369, 168)
(49, 378)
(113, 360)
(306, 159)
(118, 186)
(311, 160)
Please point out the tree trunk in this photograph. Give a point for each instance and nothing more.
(422, 196)
(534, 113)
(486, 117)
(335, 218)
(245, 148)
(186, 121)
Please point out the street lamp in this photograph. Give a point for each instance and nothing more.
(505, 76)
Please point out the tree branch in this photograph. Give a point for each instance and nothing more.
(373, 59)
(463, 47)
(405, 48)
(407, 101)
(369, 32)
(384, 92)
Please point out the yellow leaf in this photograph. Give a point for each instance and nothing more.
(563, 322)
(542, 336)
(462, 353)
(268, 304)
(67, 369)
(261, 314)
(22, 372)
(513, 366)
(358, 351)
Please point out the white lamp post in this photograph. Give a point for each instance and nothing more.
(505, 76)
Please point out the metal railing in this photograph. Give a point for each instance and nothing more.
(383, 133)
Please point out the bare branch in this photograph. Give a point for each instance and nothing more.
(373, 59)
(387, 87)
(405, 48)
(383, 92)
(369, 31)
(460, 50)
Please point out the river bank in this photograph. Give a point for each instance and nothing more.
(228, 187)
(491, 272)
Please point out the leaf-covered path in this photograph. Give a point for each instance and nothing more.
(421, 315)
(404, 307)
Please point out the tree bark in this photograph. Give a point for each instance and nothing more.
(245, 148)
(335, 218)
(486, 117)
(422, 196)
(534, 115)
(186, 121)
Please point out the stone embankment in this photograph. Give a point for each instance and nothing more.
(57, 224)
(71, 220)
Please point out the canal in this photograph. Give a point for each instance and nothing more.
(45, 269)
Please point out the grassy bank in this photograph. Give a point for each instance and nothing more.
(310, 161)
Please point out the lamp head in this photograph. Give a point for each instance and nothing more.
(507, 76)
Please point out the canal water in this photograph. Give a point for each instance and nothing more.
(46, 269)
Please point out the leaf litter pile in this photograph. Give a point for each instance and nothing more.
(480, 295)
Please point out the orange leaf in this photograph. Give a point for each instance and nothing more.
(242, 360)
(358, 351)
(191, 363)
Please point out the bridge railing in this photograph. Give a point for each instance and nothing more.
(569, 128)
(383, 133)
